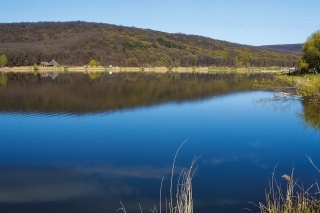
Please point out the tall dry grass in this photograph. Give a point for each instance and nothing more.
(294, 199)
(182, 200)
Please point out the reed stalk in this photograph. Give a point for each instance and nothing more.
(183, 200)
(296, 199)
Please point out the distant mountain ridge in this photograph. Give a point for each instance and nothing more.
(284, 47)
(76, 43)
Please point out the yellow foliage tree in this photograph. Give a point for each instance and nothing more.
(94, 63)
(311, 51)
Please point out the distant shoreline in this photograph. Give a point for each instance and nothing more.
(86, 69)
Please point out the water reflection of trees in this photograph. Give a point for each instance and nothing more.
(3, 79)
(279, 101)
(311, 115)
(80, 93)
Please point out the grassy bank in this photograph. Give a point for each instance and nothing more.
(307, 86)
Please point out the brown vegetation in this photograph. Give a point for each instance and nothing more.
(76, 43)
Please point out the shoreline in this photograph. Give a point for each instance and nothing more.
(87, 69)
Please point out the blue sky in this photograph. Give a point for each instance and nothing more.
(252, 22)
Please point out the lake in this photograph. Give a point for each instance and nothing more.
(83, 143)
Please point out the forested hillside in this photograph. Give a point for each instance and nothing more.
(285, 47)
(76, 43)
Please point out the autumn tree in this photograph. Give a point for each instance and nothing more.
(132, 62)
(303, 65)
(94, 63)
(3, 60)
(311, 52)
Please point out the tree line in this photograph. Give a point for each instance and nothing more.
(77, 43)
(310, 59)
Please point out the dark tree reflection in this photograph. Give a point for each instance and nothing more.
(83, 93)
(311, 115)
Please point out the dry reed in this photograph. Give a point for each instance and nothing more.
(296, 199)
(183, 201)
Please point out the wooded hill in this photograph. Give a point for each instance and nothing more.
(284, 47)
(76, 43)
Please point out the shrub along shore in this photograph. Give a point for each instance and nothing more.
(306, 86)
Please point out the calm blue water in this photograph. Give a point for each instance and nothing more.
(59, 162)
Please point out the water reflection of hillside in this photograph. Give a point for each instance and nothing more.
(80, 93)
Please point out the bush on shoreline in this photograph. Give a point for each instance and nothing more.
(307, 86)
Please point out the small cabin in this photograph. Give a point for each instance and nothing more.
(52, 63)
